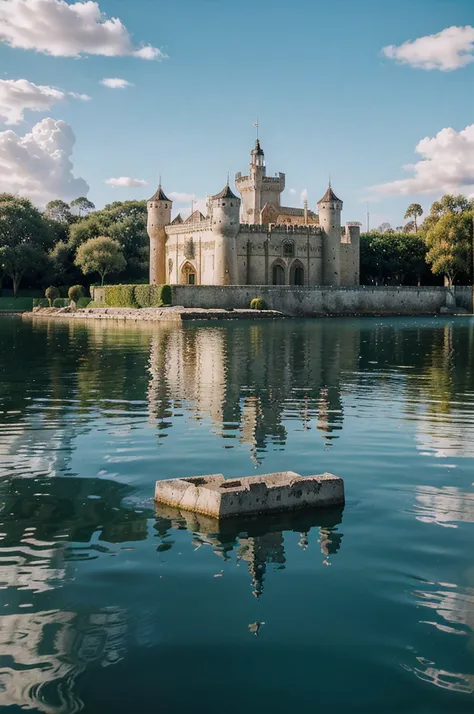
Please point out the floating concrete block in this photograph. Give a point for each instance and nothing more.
(215, 496)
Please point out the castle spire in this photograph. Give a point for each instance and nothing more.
(159, 195)
(329, 196)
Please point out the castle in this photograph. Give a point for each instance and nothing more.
(253, 240)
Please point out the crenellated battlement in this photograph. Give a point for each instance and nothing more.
(274, 180)
(196, 227)
(280, 228)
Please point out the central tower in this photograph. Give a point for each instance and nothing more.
(257, 189)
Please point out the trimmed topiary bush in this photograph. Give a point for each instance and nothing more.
(258, 304)
(75, 293)
(166, 295)
(51, 294)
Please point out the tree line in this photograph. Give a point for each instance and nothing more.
(68, 244)
(71, 243)
(439, 248)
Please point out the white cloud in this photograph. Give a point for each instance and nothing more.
(57, 28)
(292, 191)
(447, 164)
(115, 83)
(125, 182)
(447, 50)
(82, 97)
(149, 53)
(20, 95)
(182, 197)
(304, 195)
(38, 165)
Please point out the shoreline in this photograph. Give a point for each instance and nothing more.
(179, 315)
(154, 314)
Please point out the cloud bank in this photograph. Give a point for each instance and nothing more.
(38, 165)
(20, 95)
(57, 28)
(447, 163)
(448, 50)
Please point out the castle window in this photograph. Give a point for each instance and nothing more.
(288, 249)
(223, 203)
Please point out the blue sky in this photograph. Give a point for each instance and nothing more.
(327, 99)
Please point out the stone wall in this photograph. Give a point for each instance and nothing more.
(320, 301)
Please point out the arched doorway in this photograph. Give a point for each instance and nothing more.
(278, 274)
(188, 274)
(297, 273)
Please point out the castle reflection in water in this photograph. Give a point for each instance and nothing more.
(249, 382)
(258, 541)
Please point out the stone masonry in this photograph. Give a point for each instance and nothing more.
(253, 240)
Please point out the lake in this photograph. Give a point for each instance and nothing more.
(108, 605)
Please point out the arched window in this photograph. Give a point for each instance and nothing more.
(297, 273)
(278, 274)
(188, 274)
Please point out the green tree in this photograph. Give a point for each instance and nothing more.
(101, 255)
(449, 244)
(20, 259)
(83, 205)
(62, 256)
(58, 211)
(392, 259)
(25, 239)
(125, 222)
(414, 211)
(447, 204)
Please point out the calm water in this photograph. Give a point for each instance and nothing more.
(109, 606)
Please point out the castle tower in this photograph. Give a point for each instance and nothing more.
(330, 207)
(224, 212)
(159, 216)
(258, 189)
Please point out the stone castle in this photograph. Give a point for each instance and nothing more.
(253, 240)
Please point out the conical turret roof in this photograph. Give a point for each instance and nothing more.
(225, 193)
(159, 195)
(329, 196)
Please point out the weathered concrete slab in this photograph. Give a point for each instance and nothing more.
(215, 496)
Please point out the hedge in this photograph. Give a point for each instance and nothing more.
(120, 296)
(40, 302)
(61, 302)
(148, 295)
(136, 296)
